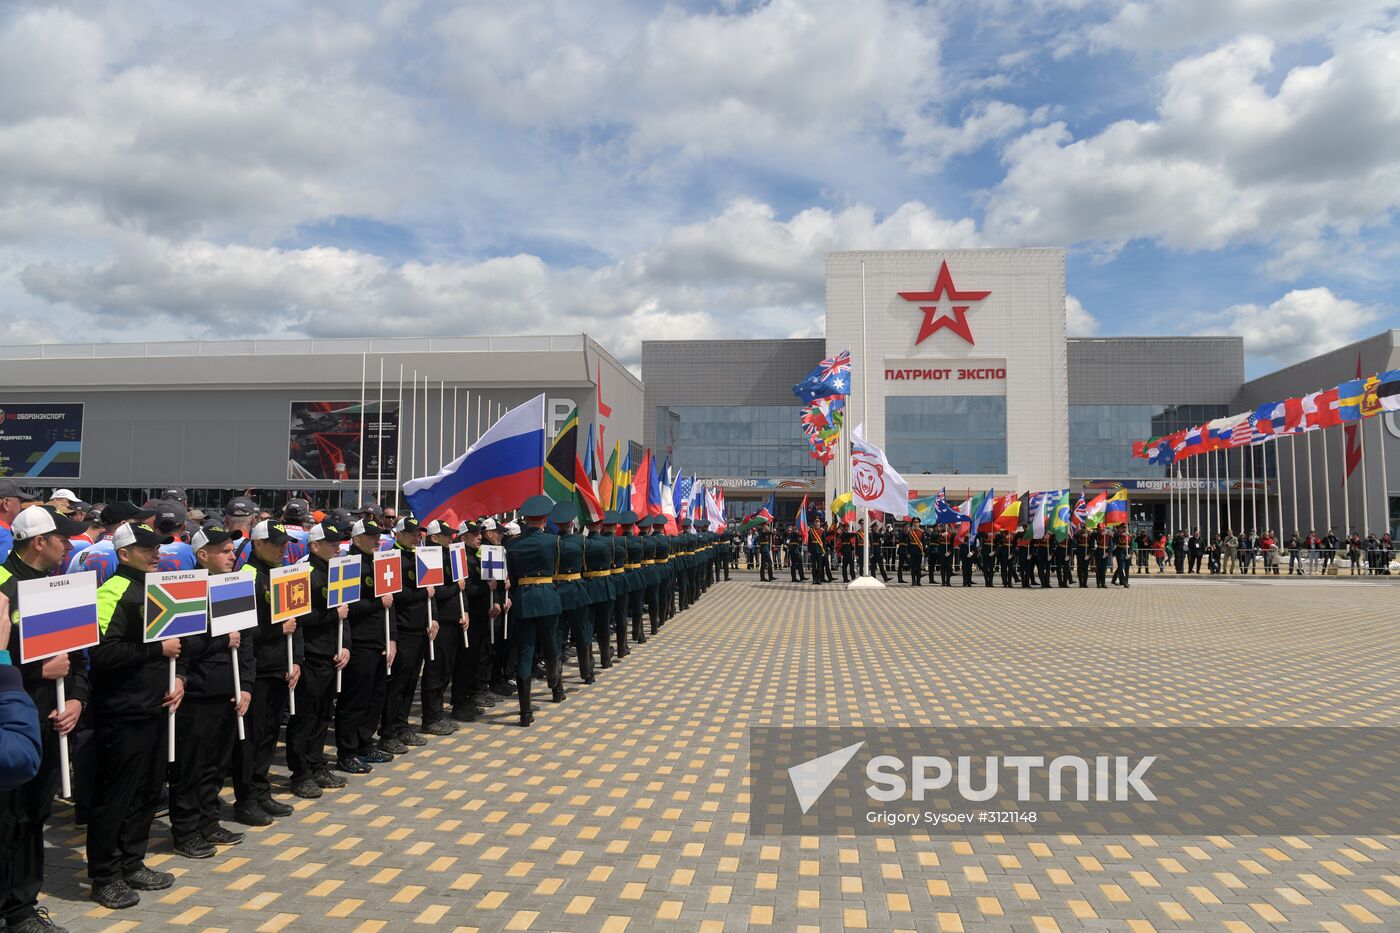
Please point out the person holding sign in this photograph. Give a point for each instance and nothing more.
(277, 673)
(131, 699)
(324, 633)
(467, 680)
(57, 622)
(413, 629)
(205, 724)
(362, 693)
(447, 613)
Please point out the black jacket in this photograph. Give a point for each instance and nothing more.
(129, 678)
(410, 603)
(269, 642)
(366, 616)
(209, 666)
(319, 627)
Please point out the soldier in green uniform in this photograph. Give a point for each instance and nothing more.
(575, 620)
(634, 578)
(681, 552)
(597, 580)
(705, 569)
(612, 528)
(665, 567)
(531, 560)
(651, 573)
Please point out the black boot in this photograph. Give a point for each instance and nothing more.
(556, 680)
(527, 715)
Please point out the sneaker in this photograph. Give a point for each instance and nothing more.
(274, 808)
(354, 765)
(305, 788)
(502, 691)
(222, 837)
(115, 895)
(251, 815)
(411, 738)
(37, 922)
(465, 714)
(328, 779)
(442, 726)
(144, 879)
(391, 746)
(483, 699)
(377, 757)
(195, 847)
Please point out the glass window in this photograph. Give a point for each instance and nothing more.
(946, 433)
(1101, 436)
(736, 440)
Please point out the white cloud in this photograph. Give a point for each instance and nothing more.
(743, 272)
(1226, 161)
(1079, 322)
(1301, 324)
(787, 73)
(1154, 24)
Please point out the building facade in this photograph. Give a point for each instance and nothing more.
(282, 417)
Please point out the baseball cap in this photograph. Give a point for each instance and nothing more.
(489, 524)
(407, 525)
(213, 535)
(38, 520)
(512, 528)
(125, 511)
(363, 527)
(138, 536)
(296, 511)
(175, 495)
(170, 516)
(68, 494)
(436, 527)
(271, 532)
(9, 489)
(240, 507)
(469, 528)
(328, 532)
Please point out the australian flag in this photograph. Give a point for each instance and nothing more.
(832, 376)
(945, 514)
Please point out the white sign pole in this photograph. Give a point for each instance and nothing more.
(237, 692)
(291, 691)
(63, 743)
(170, 718)
(388, 664)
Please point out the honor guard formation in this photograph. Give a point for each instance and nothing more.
(480, 638)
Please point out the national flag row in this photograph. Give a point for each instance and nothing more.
(1350, 401)
(1044, 512)
(823, 393)
(59, 614)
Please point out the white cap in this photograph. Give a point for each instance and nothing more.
(359, 528)
(32, 522)
(64, 494)
(512, 528)
(489, 524)
(436, 527)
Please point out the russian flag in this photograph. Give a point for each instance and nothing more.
(497, 473)
(57, 615)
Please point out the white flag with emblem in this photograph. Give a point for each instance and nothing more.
(874, 483)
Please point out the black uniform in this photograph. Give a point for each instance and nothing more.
(252, 759)
(364, 680)
(440, 670)
(794, 556)
(320, 630)
(411, 620)
(969, 558)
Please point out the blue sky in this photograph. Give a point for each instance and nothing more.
(174, 170)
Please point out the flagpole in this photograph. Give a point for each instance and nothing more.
(379, 441)
(1326, 483)
(473, 440)
(1346, 486)
(1229, 523)
(413, 429)
(455, 394)
(1385, 479)
(1253, 482)
(425, 423)
(1278, 485)
(1312, 516)
(398, 447)
(360, 483)
(865, 581)
(1293, 476)
(1365, 502)
(442, 422)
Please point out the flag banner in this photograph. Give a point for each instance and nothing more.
(343, 580)
(986, 512)
(388, 573)
(57, 615)
(832, 376)
(589, 508)
(607, 485)
(1043, 505)
(1080, 514)
(232, 603)
(922, 509)
(874, 483)
(429, 566)
(1009, 515)
(1116, 509)
(1388, 390)
(457, 558)
(802, 530)
(501, 470)
(945, 514)
(177, 604)
(842, 508)
(559, 462)
(291, 592)
(1094, 511)
(1061, 521)
(822, 420)
(493, 561)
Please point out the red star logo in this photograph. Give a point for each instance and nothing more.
(936, 316)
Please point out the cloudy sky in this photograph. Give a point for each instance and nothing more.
(172, 170)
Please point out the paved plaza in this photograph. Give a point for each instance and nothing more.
(626, 806)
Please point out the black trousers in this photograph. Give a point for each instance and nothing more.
(765, 563)
(403, 681)
(967, 567)
(1005, 571)
(877, 561)
(1120, 569)
(1193, 563)
(357, 710)
(133, 759)
(1081, 569)
(652, 595)
(848, 566)
(794, 556)
(22, 852)
(945, 570)
(989, 568)
(1042, 568)
(1100, 569)
(306, 732)
(252, 759)
(621, 603)
(635, 601)
(580, 629)
(205, 731)
(439, 671)
(466, 673)
(601, 614)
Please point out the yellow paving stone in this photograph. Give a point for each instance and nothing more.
(278, 922)
(491, 900)
(1361, 913)
(345, 908)
(190, 915)
(669, 910)
(808, 899)
(580, 904)
(761, 915)
(989, 906)
(522, 920)
(1045, 924)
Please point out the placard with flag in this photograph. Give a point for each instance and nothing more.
(232, 603)
(493, 561)
(57, 615)
(343, 580)
(388, 573)
(428, 566)
(457, 557)
(291, 592)
(177, 604)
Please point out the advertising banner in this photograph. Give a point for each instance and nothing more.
(41, 440)
(325, 440)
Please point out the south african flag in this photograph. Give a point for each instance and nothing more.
(176, 608)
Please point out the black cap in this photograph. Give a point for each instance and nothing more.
(366, 528)
(212, 535)
(240, 507)
(175, 495)
(138, 536)
(271, 532)
(407, 525)
(469, 528)
(117, 512)
(9, 489)
(170, 516)
(341, 518)
(628, 517)
(563, 513)
(536, 506)
(329, 532)
(296, 511)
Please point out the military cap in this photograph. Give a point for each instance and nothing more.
(536, 506)
(686, 523)
(612, 517)
(563, 513)
(628, 517)
(702, 524)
